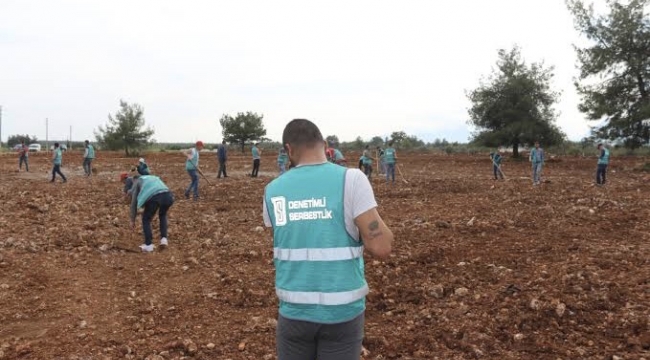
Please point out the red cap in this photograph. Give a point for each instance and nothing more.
(123, 176)
(199, 143)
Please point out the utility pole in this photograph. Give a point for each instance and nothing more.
(70, 139)
(0, 126)
(47, 139)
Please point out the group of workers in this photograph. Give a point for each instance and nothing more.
(323, 217)
(57, 159)
(537, 157)
(387, 161)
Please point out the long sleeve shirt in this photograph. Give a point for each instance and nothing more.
(135, 191)
(222, 153)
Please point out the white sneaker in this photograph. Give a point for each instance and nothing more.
(163, 242)
(147, 248)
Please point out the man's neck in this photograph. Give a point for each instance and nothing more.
(311, 158)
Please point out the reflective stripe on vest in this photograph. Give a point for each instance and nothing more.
(329, 254)
(321, 298)
(605, 159)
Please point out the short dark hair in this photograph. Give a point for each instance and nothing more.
(390, 143)
(302, 132)
(599, 145)
(56, 145)
(87, 142)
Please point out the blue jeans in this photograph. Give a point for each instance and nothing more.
(282, 168)
(601, 174)
(537, 172)
(194, 185)
(23, 159)
(160, 203)
(87, 166)
(497, 172)
(57, 170)
(390, 172)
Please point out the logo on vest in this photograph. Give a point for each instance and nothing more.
(323, 214)
(280, 210)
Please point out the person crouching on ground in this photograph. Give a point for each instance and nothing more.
(603, 162)
(142, 168)
(150, 193)
(496, 165)
(339, 159)
(319, 266)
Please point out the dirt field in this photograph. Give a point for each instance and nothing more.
(480, 269)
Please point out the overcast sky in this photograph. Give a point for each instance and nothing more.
(354, 67)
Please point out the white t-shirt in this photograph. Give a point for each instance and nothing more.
(357, 199)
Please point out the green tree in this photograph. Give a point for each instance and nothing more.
(376, 141)
(125, 131)
(16, 139)
(398, 136)
(359, 143)
(514, 105)
(242, 128)
(614, 81)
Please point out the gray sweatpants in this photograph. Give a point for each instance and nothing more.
(302, 340)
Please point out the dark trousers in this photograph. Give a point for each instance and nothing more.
(302, 340)
(194, 185)
(23, 159)
(367, 169)
(160, 203)
(256, 167)
(497, 172)
(222, 169)
(360, 164)
(88, 166)
(601, 174)
(57, 170)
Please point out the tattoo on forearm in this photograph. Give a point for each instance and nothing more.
(374, 230)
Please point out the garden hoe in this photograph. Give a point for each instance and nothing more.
(399, 169)
(499, 167)
(201, 172)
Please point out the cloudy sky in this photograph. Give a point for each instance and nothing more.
(360, 67)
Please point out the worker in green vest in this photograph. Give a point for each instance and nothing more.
(192, 167)
(57, 161)
(150, 193)
(323, 217)
(603, 162)
(89, 156)
(283, 159)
